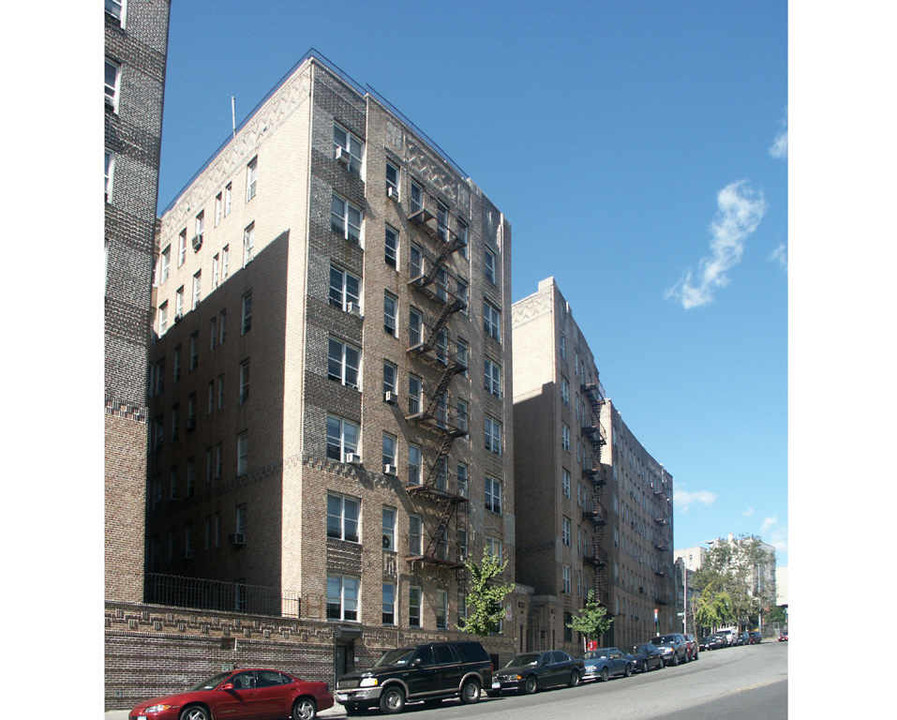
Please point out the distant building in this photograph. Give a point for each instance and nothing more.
(331, 384)
(593, 508)
(693, 557)
(781, 586)
(136, 44)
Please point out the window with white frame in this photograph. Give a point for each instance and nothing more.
(492, 377)
(462, 544)
(246, 313)
(163, 317)
(198, 227)
(348, 148)
(492, 435)
(392, 179)
(415, 535)
(565, 482)
(244, 381)
(109, 173)
(225, 253)
(242, 453)
(342, 598)
(389, 529)
(492, 320)
(219, 206)
(565, 576)
(389, 604)
(248, 243)
(463, 481)
(345, 219)
(389, 450)
(112, 83)
(391, 247)
(415, 465)
(415, 262)
(462, 355)
(415, 385)
(342, 438)
(390, 313)
(492, 546)
(493, 494)
(251, 178)
(441, 610)
(228, 198)
(390, 375)
(462, 290)
(463, 414)
(343, 514)
(415, 327)
(164, 264)
(565, 436)
(489, 265)
(414, 602)
(442, 214)
(116, 8)
(216, 271)
(417, 198)
(345, 288)
(343, 361)
(566, 531)
(565, 391)
(197, 288)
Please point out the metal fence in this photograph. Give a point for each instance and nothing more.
(203, 594)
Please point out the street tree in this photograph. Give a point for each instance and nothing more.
(591, 621)
(485, 597)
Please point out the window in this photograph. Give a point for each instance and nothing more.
(220, 391)
(217, 462)
(244, 381)
(463, 414)
(200, 223)
(391, 247)
(493, 494)
(176, 364)
(164, 264)
(112, 83)
(182, 247)
(222, 326)
(462, 544)
(565, 436)
(390, 311)
(566, 531)
(442, 473)
(175, 417)
(109, 171)
(415, 262)
(414, 597)
(210, 406)
(389, 449)
(442, 612)
(344, 289)
(565, 576)
(492, 320)
(492, 546)
(246, 313)
(389, 377)
(492, 377)
(191, 477)
(163, 317)
(116, 8)
(248, 241)
(342, 438)
(218, 209)
(415, 328)
(228, 195)
(213, 333)
(415, 465)
(442, 284)
(197, 288)
(342, 363)
(251, 178)
(392, 180)
(442, 222)
(345, 219)
(242, 453)
(415, 535)
(414, 390)
(389, 604)
(492, 433)
(194, 352)
(342, 517)
(565, 482)
(442, 346)
(463, 236)
(463, 482)
(563, 347)
(179, 302)
(342, 598)
(417, 198)
(565, 391)
(348, 148)
(389, 529)
(463, 293)
(463, 355)
(489, 265)
(225, 253)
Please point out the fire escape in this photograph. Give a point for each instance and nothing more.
(593, 433)
(661, 544)
(431, 281)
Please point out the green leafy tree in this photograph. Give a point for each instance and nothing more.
(713, 608)
(591, 621)
(485, 596)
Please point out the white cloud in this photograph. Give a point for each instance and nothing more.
(780, 256)
(748, 512)
(779, 147)
(683, 499)
(768, 523)
(741, 209)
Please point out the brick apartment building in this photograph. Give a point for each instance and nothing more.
(331, 429)
(588, 517)
(136, 44)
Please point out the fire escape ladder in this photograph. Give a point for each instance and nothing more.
(442, 527)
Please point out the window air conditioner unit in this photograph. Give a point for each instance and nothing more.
(353, 458)
(353, 309)
(237, 539)
(389, 469)
(390, 397)
(392, 193)
(196, 242)
(342, 156)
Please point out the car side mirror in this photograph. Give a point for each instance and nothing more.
(417, 661)
(227, 686)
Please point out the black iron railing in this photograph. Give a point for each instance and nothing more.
(205, 594)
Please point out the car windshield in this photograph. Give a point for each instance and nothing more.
(401, 656)
(525, 659)
(212, 682)
(663, 639)
(597, 654)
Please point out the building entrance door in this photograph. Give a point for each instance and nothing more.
(343, 658)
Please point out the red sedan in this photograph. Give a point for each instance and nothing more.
(243, 694)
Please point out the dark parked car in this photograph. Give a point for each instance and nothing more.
(247, 694)
(692, 646)
(742, 638)
(605, 663)
(646, 657)
(530, 672)
(756, 638)
(428, 672)
(673, 646)
(714, 642)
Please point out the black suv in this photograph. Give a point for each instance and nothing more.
(674, 647)
(428, 672)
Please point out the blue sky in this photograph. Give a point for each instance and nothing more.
(631, 145)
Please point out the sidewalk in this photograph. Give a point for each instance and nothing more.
(334, 712)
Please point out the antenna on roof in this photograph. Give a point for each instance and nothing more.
(233, 116)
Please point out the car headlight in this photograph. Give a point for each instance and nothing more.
(157, 708)
(590, 668)
(369, 682)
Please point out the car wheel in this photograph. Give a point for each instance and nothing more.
(605, 674)
(574, 679)
(627, 671)
(470, 691)
(304, 709)
(392, 700)
(194, 712)
(531, 685)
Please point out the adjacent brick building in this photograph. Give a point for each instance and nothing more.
(136, 42)
(331, 429)
(588, 517)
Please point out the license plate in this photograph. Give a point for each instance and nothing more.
(495, 685)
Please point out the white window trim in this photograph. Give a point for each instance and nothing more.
(109, 174)
(113, 99)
